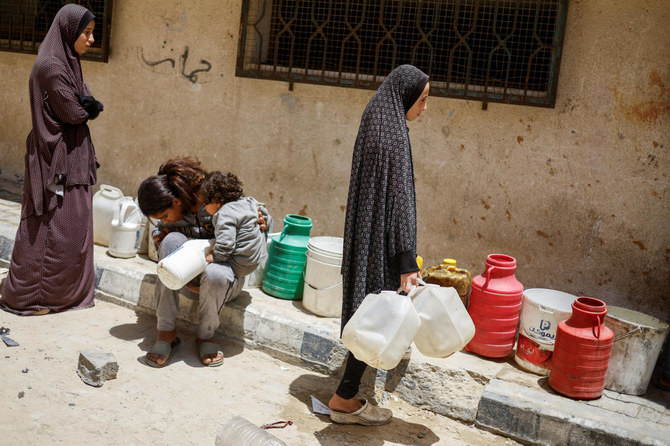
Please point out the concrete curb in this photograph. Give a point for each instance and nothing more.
(494, 394)
(543, 417)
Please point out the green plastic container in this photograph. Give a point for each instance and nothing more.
(286, 259)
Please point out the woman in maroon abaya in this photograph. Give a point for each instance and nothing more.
(52, 262)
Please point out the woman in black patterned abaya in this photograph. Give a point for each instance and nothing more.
(380, 225)
(52, 262)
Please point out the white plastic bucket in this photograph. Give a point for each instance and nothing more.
(322, 293)
(382, 329)
(326, 249)
(183, 264)
(446, 326)
(541, 311)
(637, 342)
(104, 204)
(126, 228)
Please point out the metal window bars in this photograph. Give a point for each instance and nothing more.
(488, 50)
(24, 24)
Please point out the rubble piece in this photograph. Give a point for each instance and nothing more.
(96, 367)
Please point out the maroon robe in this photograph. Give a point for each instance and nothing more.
(52, 261)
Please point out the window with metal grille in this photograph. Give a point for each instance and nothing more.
(488, 50)
(24, 24)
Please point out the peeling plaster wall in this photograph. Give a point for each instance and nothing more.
(577, 194)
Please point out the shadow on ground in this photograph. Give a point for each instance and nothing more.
(397, 431)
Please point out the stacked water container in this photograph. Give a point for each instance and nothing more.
(322, 294)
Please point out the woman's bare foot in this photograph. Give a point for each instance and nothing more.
(339, 404)
(167, 336)
(208, 359)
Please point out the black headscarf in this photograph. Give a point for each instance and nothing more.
(380, 222)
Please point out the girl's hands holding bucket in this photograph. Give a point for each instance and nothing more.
(409, 280)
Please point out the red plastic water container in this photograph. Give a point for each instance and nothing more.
(495, 303)
(582, 351)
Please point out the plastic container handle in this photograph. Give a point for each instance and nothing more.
(487, 273)
(598, 325)
(625, 335)
(547, 310)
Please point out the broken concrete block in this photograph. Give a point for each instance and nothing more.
(96, 367)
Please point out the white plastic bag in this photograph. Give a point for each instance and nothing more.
(446, 326)
(382, 329)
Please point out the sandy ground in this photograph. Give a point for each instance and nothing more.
(45, 402)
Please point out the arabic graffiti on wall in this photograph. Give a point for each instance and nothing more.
(192, 76)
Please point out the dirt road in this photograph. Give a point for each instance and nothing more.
(45, 402)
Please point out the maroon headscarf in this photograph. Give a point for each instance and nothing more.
(60, 142)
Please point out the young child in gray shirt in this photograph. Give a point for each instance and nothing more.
(240, 242)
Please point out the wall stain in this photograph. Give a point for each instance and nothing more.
(303, 211)
(509, 216)
(485, 204)
(519, 139)
(542, 234)
(639, 244)
(649, 111)
(343, 208)
(655, 79)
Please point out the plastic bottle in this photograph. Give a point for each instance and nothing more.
(495, 304)
(184, 264)
(446, 326)
(382, 329)
(582, 351)
(239, 431)
(286, 259)
(126, 224)
(104, 203)
(448, 274)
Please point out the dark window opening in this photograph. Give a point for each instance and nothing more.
(488, 50)
(25, 23)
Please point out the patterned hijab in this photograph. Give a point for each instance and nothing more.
(380, 220)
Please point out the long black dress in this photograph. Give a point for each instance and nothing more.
(52, 261)
(380, 225)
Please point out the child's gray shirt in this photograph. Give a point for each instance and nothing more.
(239, 240)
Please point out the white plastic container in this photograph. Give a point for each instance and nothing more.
(322, 294)
(239, 431)
(152, 251)
(446, 326)
(255, 279)
(382, 329)
(142, 243)
(637, 343)
(104, 204)
(126, 228)
(184, 264)
(541, 311)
